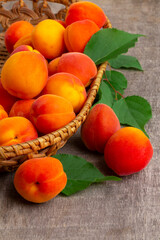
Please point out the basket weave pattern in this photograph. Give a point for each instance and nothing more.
(12, 156)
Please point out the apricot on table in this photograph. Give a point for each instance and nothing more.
(41, 179)
(79, 64)
(48, 38)
(85, 10)
(16, 31)
(3, 113)
(128, 151)
(6, 99)
(98, 127)
(24, 74)
(77, 34)
(21, 108)
(68, 86)
(16, 130)
(50, 112)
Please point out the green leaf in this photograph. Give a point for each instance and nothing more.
(109, 43)
(125, 61)
(80, 173)
(117, 81)
(104, 94)
(134, 111)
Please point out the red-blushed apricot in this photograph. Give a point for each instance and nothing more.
(52, 66)
(25, 40)
(16, 130)
(21, 108)
(24, 48)
(63, 23)
(85, 10)
(6, 99)
(41, 179)
(48, 38)
(98, 127)
(50, 112)
(24, 74)
(128, 151)
(3, 113)
(15, 31)
(68, 86)
(79, 65)
(77, 35)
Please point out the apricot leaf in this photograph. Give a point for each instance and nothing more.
(80, 173)
(133, 111)
(109, 43)
(125, 61)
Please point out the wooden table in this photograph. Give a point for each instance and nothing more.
(129, 209)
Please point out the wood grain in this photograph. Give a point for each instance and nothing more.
(126, 210)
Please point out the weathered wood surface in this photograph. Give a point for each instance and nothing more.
(129, 209)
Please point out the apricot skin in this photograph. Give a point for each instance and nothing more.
(50, 112)
(15, 32)
(3, 113)
(85, 10)
(68, 86)
(99, 126)
(128, 151)
(48, 38)
(39, 180)
(16, 130)
(77, 35)
(24, 74)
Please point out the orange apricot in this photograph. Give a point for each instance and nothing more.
(41, 179)
(15, 31)
(99, 126)
(16, 130)
(50, 112)
(24, 74)
(85, 10)
(48, 38)
(3, 113)
(128, 151)
(78, 34)
(68, 86)
(25, 40)
(52, 66)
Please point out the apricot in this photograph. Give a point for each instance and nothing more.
(25, 40)
(128, 151)
(24, 48)
(48, 38)
(6, 99)
(78, 34)
(53, 65)
(68, 86)
(41, 179)
(98, 127)
(50, 112)
(16, 31)
(21, 108)
(85, 10)
(16, 130)
(76, 63)
(3, 113)
(24, 74)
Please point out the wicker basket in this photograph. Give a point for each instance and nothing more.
(12, 156)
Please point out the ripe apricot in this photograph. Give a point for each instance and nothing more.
(15, 31)
(6, 99)
(41, 179)
(50, 112)
(99, 126)
(52, 66)
(48, 38)
(24, 74)
(21, 108)
(3, 113)
(25, 40)
(16, 130)
(68, 86)
(79, 65)
(78, 34)
(85, 10)
(128, 151)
